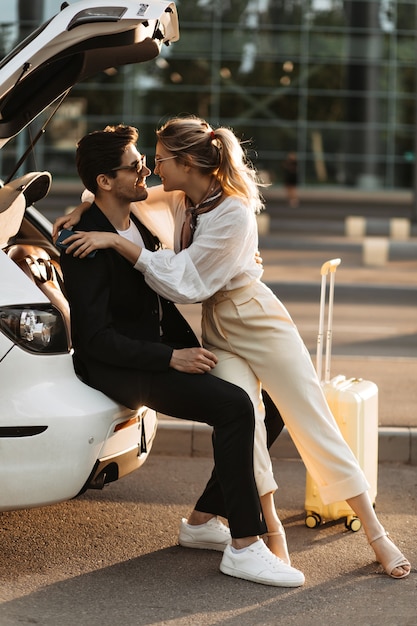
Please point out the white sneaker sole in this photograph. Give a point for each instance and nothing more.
(284, 582)
(203, 545)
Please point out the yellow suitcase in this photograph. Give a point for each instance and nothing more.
(354, 404)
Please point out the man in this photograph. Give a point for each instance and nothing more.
(136, 348)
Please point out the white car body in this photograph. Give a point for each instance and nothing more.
(58, 436)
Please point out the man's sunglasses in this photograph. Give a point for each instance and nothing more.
(136, 166)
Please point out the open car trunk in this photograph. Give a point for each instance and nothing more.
(83, 39)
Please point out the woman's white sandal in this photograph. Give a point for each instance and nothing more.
(394, 559)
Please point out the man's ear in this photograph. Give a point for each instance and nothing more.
(104, 182)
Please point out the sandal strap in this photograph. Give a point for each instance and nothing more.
(384, 534)
(397, 560)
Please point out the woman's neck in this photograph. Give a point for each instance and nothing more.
(201, 189)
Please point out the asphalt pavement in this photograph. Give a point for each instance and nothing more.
(111, 557)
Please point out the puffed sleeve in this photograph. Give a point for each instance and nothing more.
(223, 242)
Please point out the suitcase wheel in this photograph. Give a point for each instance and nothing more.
(353, 523)
(312, 520)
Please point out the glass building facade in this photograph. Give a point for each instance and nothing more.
(332, 80)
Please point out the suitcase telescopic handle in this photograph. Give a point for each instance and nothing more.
(329, 267)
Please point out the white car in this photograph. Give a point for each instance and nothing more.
(59, 437)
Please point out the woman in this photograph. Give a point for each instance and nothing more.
(213, 195)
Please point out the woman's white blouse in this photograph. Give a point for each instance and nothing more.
(221, 256)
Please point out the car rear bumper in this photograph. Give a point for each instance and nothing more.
(110, 468)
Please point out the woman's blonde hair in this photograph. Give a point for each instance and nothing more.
(213, 151)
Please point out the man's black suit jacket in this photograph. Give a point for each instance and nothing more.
(116, 317)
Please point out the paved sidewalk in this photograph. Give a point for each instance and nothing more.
(177, 438)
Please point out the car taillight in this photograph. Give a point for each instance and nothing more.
(126, 424)
(39, 328)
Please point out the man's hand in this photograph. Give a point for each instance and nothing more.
(193, 360)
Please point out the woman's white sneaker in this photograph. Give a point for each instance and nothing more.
(213, 535)
(257, 564)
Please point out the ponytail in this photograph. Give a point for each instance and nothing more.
(217, 152)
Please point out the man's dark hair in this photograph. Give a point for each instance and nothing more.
(101, 151)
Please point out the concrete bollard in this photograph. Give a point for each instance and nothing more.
(375, 250)
(264, 222)
(355, 226)
(399, 228)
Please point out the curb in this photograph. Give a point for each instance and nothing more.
(396, 249)
(192, 439)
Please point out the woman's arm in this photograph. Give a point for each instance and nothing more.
(70, 220)
(156, 213)
(81, 244)
(223, 248)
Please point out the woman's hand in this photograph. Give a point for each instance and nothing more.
(81, 244)
(70, 220)
(258, 258)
